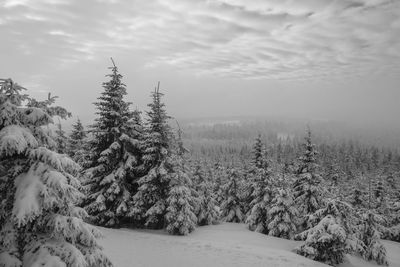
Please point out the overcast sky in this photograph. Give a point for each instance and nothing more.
(321, 59)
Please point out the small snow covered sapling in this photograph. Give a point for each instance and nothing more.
(208, 211)
(39, 222)
(333, 234)
(261, 196)
(231, 206)
(180, 217)
(326, 242)
(370, 236)
(283, 215)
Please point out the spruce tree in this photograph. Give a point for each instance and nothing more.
(39, 222)
(232, 210)
(115, 155)
(181, 202)
(306, 187)
(258, 166)
(77, 146)
(261, 190)
(261, 199)
(325, 242)
(258, 153)
(370, 236)
(61, 139)
(153, 188)
(283, 215)
(208, 211)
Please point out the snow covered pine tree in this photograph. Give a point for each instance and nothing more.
(232, 207)
(180, 217)
(153, 188)
(283, 215)
(77, 145)
(260, 190)
(39, 223)
(333, 235)
(61, 139)
(370, 236)
(115, 156)
(208, 212)
(306, 188)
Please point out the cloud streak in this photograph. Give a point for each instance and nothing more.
(285, 39)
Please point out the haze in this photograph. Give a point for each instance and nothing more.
(317, 59)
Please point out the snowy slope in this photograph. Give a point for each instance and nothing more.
(226, 244)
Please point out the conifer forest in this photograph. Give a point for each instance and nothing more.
(193, 133)
(131, 169)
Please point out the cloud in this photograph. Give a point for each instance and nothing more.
(274, 39)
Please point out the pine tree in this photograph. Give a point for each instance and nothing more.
(39, 222)
(325, 242)
(358, 196)
(258, 167)
(283, 215)
(306, 187)
(370, 236)
(181, 202)
(261, 199)
(61, 139)
(208, 211)
(115, 156)
(153, 188)
(77, 146)
(232, 207)
(180, 217)
(258, 153)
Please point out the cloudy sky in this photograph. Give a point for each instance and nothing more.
(318, 59)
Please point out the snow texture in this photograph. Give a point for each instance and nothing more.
(227, 244)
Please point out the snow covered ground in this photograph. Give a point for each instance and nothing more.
(226, 244)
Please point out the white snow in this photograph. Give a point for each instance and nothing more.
(227, 244)
(15, 139)
(29, 188)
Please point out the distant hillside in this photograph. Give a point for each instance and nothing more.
(247, 128)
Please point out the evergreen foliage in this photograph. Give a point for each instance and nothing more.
(180, 213)
(208, 211)
(115, 156)
(39, 222)
(153, 188)
(61, 139)
(77, 146)
(325, 242)
(283, 215)
(231, 206)
(306, 187)
(370, 236)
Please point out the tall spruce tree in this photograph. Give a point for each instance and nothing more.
(261, 190)
(115, 156)
(39, 222)
(306, 187)
(150, 204)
